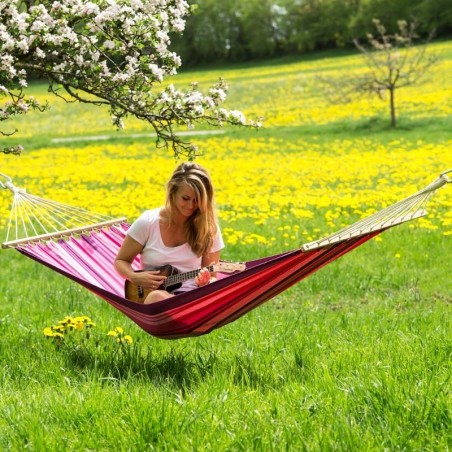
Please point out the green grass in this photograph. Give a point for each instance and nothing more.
(357, 357)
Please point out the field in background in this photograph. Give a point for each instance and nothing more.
(356, 357)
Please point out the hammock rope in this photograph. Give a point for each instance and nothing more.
(408, 209)
(85, 254)
(33, 219)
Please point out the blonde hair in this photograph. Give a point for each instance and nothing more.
(201, 227)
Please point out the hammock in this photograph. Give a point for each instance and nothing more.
(82, 246)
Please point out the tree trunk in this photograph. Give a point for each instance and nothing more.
(392, 102)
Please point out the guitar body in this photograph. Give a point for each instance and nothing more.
(174, 279)
(138, 293)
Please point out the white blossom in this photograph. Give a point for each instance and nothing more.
(218, 94)
(23, 45)
(109, 45)
(38, 26)
(136, 4)
(89, 9)
(238, 116)
(156, 71)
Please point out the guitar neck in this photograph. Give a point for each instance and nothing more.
(181, 277)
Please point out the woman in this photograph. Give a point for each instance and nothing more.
(184, 233)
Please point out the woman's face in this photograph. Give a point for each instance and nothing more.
(185, 201)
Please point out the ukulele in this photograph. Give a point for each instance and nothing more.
(174, 279)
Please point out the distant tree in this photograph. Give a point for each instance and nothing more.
(213, 33)
(393, 62)
(264, 28)
(436, 15)
(430, 14)
(315, 24)
(386, 11)
(105, 52)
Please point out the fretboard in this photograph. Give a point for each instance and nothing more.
(181, 277)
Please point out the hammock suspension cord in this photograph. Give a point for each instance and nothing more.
(408, 209)
(34, 219)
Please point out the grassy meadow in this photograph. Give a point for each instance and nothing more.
(356, 357)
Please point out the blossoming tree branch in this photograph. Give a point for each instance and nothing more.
(105, 52)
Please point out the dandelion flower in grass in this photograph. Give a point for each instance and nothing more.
(128, 339)
(82, 319)
(48, 331)
(51, 332)
(112, 333)
(88, 322)
(85, 320)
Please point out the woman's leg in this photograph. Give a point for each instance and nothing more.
(157, 295)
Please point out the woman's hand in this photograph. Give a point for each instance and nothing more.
(151, 279)
(203, 277)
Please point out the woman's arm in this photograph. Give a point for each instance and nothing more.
(130, 248)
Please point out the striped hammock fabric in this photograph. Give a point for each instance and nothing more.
(86, 255)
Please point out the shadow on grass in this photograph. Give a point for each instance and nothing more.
(377, 125)
(175, 369)
(431, 129)
(178, 369)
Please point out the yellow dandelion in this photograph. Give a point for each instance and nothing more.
(48, 331)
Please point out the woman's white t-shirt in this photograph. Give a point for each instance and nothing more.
(146, 231)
